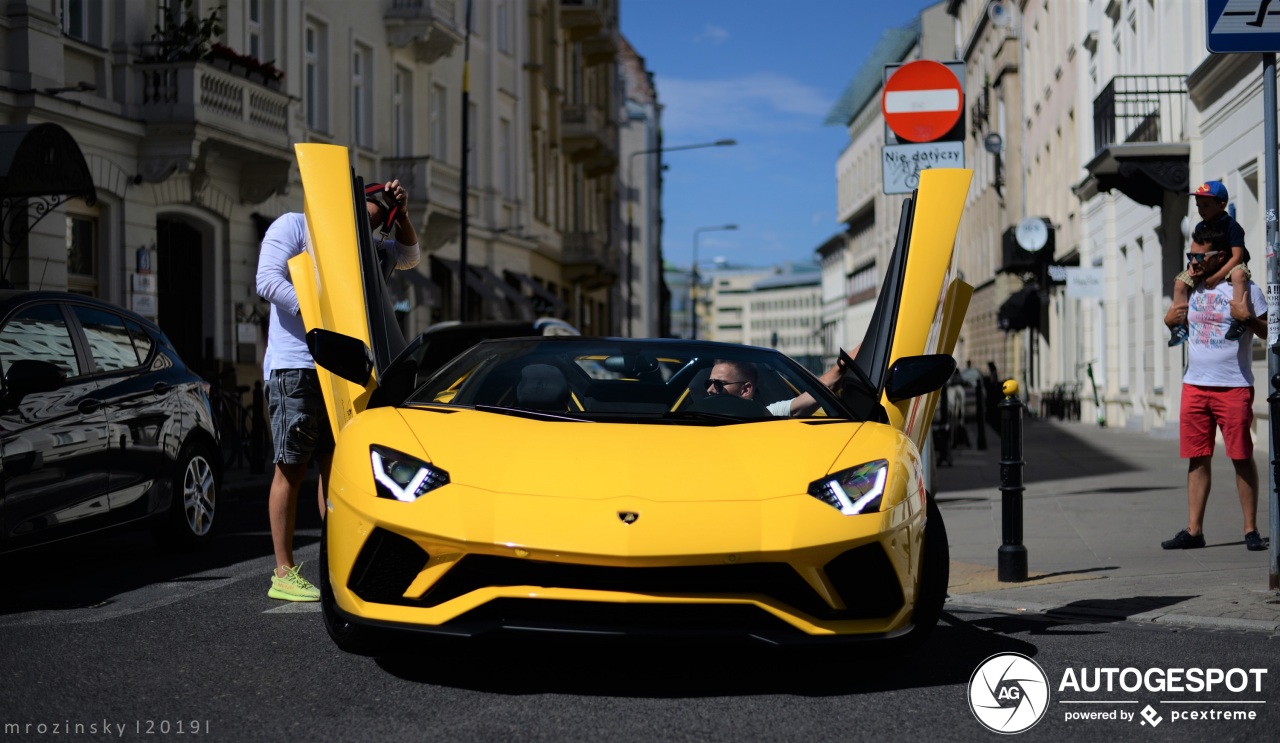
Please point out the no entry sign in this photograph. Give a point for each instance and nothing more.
(922, 101)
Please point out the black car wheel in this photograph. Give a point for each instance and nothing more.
(935, 566)
(348, 637)
(192, 517)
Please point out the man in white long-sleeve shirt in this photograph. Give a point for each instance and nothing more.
(299, 424)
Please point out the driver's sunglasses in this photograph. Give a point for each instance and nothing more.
(1202, 257)
(720, 384)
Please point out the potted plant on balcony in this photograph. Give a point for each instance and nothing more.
(267, 74)
(188, 39)
(225, 58)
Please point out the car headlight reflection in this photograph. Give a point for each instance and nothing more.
(398, 476)
(855, 490)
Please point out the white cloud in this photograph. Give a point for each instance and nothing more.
(761, 102)
(714, 34)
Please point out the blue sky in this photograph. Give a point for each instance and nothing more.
(765, 74)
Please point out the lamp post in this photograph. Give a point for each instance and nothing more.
(631, 163)
(693, 275)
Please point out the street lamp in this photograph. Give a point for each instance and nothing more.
(631, 163)
(693, 275)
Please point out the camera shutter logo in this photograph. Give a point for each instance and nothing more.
(1008, 693)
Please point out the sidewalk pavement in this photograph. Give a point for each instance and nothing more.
(1097, 504)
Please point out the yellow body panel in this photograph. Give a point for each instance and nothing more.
(551, 491)
(556, 498)
(929, 318)
(329, 283)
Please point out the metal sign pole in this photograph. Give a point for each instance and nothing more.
(1273, 296)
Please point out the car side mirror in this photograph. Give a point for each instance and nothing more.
(29, 376)
(340, 354)
(912, 376)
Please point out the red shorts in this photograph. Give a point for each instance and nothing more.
(1204, 408)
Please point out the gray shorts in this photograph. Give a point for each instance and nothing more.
(299, 424)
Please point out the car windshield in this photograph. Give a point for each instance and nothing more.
(642, 381)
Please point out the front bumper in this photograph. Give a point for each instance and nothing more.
(782, 571)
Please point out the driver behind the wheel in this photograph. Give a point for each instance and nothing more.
(741, 379)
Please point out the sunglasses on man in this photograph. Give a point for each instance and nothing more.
(720, 384)
(1202, 257)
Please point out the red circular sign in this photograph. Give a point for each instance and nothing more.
(922, 101)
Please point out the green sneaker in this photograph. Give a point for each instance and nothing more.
(293, 587)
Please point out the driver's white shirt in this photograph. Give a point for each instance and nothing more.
(781, 408)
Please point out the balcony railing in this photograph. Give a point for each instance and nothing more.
(1140, 108)
(429, 25)
(412, 172)
(582, 18)
(198, 93)
(587, 249)
(583, 128)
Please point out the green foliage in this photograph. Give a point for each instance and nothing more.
(189, 38)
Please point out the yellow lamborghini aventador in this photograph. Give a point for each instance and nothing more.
(602, 486)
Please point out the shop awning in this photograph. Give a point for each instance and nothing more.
(544, 300)
(493, 289)
(413, 277)
(41, 166)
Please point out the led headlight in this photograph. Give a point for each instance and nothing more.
(401, 477)
(855, 490)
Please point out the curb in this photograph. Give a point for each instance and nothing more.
(1000, 606)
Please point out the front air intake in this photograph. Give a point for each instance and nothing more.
(385, 567)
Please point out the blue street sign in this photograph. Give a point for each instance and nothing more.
(1239, 26)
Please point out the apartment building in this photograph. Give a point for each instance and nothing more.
(784, 311)
(181, 116)
(645, 314)
(853, 261)
(1152, 141)
(1094, 118)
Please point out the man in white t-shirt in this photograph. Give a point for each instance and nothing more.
(295, 405)
(1217, 388)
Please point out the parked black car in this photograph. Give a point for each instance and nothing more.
(101, 425)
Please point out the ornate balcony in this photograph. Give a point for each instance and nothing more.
(426, 24)
(1140, 139)
(600, 48)
(582, 18)
(190, 105)
(587, 259)
(587, 137)
(414, 173)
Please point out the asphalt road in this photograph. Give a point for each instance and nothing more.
(114, 633)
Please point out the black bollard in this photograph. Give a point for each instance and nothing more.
(1012, 556)
(257, 432)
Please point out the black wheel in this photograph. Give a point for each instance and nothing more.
(192, 517)
(935, 574)
(348, 637)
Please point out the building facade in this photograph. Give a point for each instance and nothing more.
(186, 113)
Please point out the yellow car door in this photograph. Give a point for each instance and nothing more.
(338, 280)
(921, 305)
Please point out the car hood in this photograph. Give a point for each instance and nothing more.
(590, 460)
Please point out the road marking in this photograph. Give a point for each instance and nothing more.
(296, 607)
